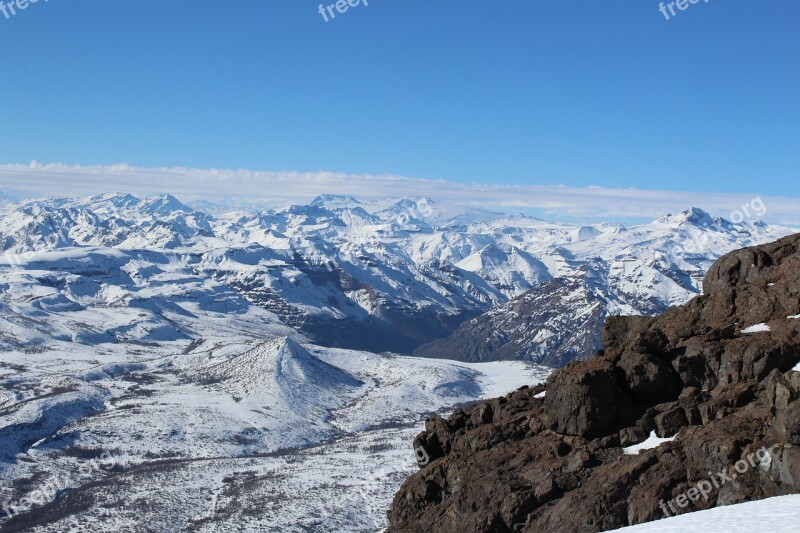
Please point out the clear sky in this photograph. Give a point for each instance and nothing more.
(579, 93)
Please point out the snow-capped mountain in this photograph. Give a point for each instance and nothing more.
(598, 271)
(381, 276)
(552, 324)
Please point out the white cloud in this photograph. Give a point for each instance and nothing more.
(278, 188)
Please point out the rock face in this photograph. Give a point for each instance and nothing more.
(729, 398)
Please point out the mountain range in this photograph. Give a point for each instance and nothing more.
(402, 276)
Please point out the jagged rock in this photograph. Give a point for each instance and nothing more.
(668, 423)
(789, 428)
(652, 341)
(632, 435)
(427, 448)
(782, 464)
(520, 464)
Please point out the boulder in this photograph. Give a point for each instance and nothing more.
(581, 398)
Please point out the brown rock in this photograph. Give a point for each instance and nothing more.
(581, 398)
(670, 422)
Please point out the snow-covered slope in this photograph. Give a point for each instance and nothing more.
(552, 324)
(219, 434)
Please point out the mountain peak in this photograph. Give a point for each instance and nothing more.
(115, 198)
(693, 215)
(166, 204)
(697, 215)
(334, 201)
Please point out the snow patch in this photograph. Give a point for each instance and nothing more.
(776, 515)
(653, 441)
(758, 328)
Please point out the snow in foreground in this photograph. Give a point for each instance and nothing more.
(776, 515)
(217, 435)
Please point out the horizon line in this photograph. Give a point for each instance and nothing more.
(277, 188)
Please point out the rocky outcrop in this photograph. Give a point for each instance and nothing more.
(701, 374)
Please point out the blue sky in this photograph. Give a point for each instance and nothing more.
(578, 93)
